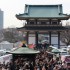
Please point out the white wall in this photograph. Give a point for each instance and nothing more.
(54, 40)
(31, 39)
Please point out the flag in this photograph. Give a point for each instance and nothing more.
(31, 46)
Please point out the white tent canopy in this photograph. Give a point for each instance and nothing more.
(6, 45)
(4, 42)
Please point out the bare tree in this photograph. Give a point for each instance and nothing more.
(65, 37)
(12, 35)
(1, 35)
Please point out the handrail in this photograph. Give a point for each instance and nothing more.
(42, 25)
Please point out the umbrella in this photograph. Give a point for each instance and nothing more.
(53, 47)
(44, 41)
(56, 51)
(62, 51)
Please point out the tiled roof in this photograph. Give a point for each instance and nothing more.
(42, 11)
(24, 50)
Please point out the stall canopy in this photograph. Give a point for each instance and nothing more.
(58, 51)
(24, 50)
(6, 45)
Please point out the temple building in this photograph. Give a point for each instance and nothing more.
(43, 24)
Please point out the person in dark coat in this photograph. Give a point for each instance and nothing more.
(12, 66)
(23, 45)
(31, 66)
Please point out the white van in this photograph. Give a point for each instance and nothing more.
(5, 58)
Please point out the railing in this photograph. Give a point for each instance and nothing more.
(43, 25)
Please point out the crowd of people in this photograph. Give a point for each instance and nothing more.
(46, 61)
(43, 61)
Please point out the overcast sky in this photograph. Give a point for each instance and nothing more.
(13, 7)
